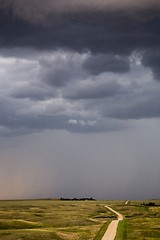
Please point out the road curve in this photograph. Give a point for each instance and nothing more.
(110, 234)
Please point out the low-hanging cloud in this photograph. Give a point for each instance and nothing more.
(33, 100)
(63, 68)
(106, 63)
(151, 58)
(115, 33)
(40, 10)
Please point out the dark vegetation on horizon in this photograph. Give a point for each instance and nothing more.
(150, 204)
(77, 199)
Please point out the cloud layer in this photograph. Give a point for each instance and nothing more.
(72, 91)
(41, 8)
(77, 65)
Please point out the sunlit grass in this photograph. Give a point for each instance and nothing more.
(50, 219)
(141, 222)
(76, 220)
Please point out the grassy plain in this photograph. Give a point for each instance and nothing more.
(50, 219)
(76, 220)
(141, 222)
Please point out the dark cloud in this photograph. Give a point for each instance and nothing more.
(96, 31)
(62, 69)
(82, 102)
(152, 59)
(40, 10)
(106, 63)
(141, 108)
(95, 90)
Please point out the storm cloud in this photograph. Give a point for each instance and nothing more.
(40, 8)
(151, 59)
(48, 90)
(99, 31)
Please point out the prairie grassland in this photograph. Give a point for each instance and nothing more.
(76, 220)
(56, 220)
(141, 222)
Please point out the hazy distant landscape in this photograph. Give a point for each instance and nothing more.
(77, 220)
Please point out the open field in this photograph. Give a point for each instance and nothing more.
(76, 220)
(50, 219)
(141, 222)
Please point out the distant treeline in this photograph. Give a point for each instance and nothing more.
(150, 204)
(77, 199)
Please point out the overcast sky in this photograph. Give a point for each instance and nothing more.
(79, 99)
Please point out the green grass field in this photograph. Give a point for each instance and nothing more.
(141, 222)
(76, 220)
(50, 219)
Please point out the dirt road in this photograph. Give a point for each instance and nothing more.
(110, 234)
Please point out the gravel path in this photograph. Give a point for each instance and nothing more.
(110, 234)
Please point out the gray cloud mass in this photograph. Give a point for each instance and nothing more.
(106, 63)
(151, 59)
